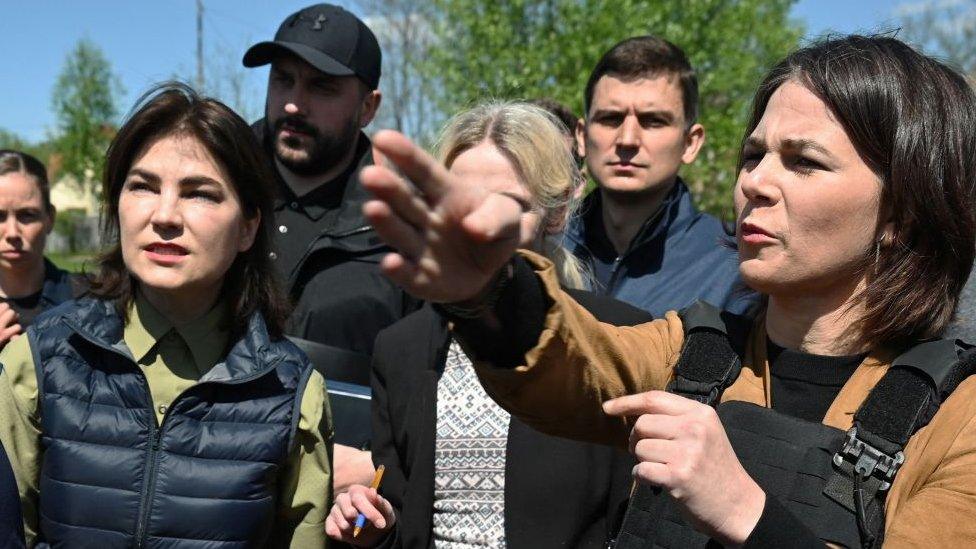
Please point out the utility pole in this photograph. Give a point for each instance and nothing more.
(200, 46)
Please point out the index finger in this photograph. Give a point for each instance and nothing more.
(651, 402)
(422, 169)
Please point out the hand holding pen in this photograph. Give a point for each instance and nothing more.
(360, 516)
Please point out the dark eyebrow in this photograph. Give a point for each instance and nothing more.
(191, 181)
(324, 80)
(148, 176)
(606, 111)
(801, 145)
(754, 143)
(665, 115)
(199, 181)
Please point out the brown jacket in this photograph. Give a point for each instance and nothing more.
(579, 363)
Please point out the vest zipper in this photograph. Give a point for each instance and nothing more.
(152, 462)
(152, 458)
(148, 486)
(613, 274)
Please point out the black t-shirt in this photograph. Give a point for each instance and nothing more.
(805, 385)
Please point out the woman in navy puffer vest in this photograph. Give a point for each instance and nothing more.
(167, 410)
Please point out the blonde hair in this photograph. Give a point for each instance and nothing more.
(530, 138)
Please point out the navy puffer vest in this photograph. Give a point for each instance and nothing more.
(206, 477)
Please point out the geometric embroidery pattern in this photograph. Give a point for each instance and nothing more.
(469, 460)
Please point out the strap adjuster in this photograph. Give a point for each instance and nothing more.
(869, 461)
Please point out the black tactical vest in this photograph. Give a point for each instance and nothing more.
(833, 482)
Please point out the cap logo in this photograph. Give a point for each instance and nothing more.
(315, 23)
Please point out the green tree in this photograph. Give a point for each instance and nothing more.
(403, 31)
(84, 103)
(943, 28)
(527, 49)
(10, 140)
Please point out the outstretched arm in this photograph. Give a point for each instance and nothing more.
(451, 238)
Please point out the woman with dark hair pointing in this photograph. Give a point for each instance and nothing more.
(167, 409)
(832, 416)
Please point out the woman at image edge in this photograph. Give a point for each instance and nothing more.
(29, 283)
(856, 221)
(167, 408)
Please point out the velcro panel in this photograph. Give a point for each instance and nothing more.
(899, 404)
(707, 362)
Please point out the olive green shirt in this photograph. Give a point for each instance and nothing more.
(173, 358)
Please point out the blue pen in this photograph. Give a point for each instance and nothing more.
(361, 518)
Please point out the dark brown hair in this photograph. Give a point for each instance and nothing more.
(913, 122)
(567, 122)
(647, 57)
(12, 161)
(175, 109)
(562, 113)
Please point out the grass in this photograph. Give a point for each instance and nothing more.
(73, 262)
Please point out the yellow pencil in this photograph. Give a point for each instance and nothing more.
(361, 518)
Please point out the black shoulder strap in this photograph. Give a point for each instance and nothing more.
(710, 361)
(902, 402)
(712, 355)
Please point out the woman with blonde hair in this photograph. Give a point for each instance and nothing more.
(459, 471)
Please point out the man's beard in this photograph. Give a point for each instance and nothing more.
(321, 155)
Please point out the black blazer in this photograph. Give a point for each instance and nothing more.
(558, 493)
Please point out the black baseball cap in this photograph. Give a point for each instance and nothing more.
(327, 37)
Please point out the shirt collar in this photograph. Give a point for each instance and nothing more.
(206, 337)
(327, 196)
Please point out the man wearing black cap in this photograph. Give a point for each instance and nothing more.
(322, 90)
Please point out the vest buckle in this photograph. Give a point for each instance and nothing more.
(869, 461)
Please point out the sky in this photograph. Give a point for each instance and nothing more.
(149, 41)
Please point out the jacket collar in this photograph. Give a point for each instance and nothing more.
(56, 288)
(672, 217)
(254, 355)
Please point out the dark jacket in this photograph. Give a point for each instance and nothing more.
(112, 477)
(558, 493)
(964, 324)
(679, 256)
(11, 519)
(342, 300)
(58, 286)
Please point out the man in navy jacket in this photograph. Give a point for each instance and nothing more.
(639, 231)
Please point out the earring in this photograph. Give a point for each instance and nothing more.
(877, 247)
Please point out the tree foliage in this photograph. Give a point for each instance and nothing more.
(10, 140)
(84, 103)
(403, 31)
(946, 28)
(546, 48)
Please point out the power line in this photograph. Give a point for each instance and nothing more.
(199, 44)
